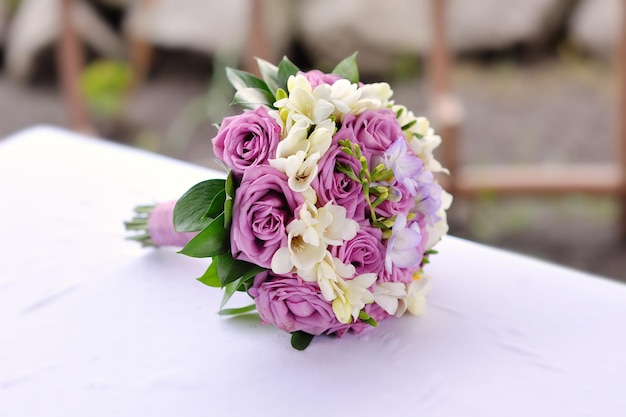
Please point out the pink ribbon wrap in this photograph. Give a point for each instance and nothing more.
(161, 227)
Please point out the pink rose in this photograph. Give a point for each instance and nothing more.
(247, 140)
(317, 77)
(374, 130)
(334, 186)
(263, 207)
(365, 251)
(292, 305)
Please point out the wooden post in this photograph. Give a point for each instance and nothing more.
(140, 50)
(70, 63)
(445, 108)
(621, 65)
(257, 41)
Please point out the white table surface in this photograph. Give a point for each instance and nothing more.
(93, 325)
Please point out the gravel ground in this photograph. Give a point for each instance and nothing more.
(546, 112)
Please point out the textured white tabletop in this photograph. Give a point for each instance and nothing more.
(93, 325)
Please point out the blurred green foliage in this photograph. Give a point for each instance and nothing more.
(104, 84)
(12, 5)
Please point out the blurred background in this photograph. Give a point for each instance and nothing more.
(528, 94)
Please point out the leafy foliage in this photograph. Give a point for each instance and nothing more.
(104, 83)
(301, 340)
(192, 209)
(348, 69)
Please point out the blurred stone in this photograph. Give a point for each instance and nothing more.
(29, 33)
(382, 31)
(208, 26)
(596, 25)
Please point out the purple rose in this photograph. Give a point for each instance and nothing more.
(398, 274)
(317, 77)
(365, 251)
(263, 207)
(247, 140)
(374, 130)
(334, 186)
(292, 305)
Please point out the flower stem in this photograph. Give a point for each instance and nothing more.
(139, 225)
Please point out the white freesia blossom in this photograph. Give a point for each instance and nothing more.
(373, 97)
(294, 141)
(422, 126)
(301, 170)
(321, 137)
(297, 155)
(343, 96)
(304, 104)
(440, 228)
(309, 236)
(425, 147)
(420, 136)
(387, 294)
(350, 98)
(355, 295)
(328, 273)
(415, 300)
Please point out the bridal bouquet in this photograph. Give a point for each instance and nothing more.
(329, 211)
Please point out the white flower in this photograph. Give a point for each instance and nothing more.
(297, 155)
(328, 273)
(355, 296)
(301, 169)
(321, 137)
(294, 141)
(343, 96)
(350, 98)
(425, 147)
(309, 236)
(304, 105)
(415, 300)
(420, 136)
(373, 97)
(387, 294)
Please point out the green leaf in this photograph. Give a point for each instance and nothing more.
(367, 319)
(239, 283)
(348, 69)
(269, 72)
(230, 269)
(217, 205)
(212, 241)
(230, 185)
(228, 204)
(240, 310)
(286, 69)
(190, 209)
(301, 340)
(409, 125)
(210, 277)
(251, 98)
(229, 290)
(242, 79)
